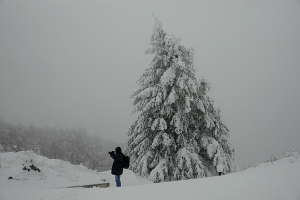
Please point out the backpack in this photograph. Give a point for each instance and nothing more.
(125, 162)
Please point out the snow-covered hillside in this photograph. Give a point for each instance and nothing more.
(269, 181)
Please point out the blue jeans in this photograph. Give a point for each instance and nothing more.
(118, 181)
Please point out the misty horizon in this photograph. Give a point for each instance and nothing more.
(75, 64)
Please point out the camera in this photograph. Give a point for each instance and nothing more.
(110, 152)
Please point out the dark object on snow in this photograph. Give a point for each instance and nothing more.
(117, 167)
(100, 185)
(220, 169)
(33, 167)
(10, 177)
(126, 161)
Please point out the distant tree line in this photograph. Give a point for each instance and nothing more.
(73, 145)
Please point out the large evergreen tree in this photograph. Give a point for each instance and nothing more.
(178, 134)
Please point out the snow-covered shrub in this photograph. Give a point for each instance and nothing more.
(248, 166)
(292, 156)
(296, 154)
(287, 154)
(29, 165)
(272, 159)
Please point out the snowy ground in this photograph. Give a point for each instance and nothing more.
(277, 181)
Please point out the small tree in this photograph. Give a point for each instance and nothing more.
(178, 134)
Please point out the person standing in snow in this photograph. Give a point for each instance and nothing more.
(117, 168)
(220, 169)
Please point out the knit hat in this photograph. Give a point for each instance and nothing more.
(118, 150)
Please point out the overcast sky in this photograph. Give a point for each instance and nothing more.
(75, 64)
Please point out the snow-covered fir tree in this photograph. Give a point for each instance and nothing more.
(178, 133)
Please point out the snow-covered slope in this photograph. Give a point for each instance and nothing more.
(53, 173)
(269, 181)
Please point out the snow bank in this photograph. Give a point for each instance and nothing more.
(53, 173)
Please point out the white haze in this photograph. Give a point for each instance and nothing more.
(75, 64)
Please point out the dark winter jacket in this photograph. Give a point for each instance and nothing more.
(117, 168)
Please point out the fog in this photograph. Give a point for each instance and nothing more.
(75, 64)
